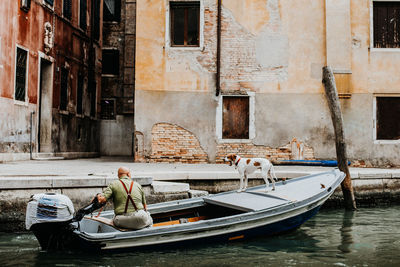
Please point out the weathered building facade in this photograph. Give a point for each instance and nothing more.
(50, 73)
(117, 120)
(245, 76)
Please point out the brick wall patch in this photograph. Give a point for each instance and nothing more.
(292, 150)
(171, 143)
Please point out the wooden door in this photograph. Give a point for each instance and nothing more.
(235, 119)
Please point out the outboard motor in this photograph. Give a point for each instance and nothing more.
(48, 216)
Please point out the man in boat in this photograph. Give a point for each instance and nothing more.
(129, 201)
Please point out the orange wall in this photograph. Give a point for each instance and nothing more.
(268, 46)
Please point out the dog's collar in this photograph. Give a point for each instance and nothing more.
(237, 162)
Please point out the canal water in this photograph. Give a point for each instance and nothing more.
(367, 237)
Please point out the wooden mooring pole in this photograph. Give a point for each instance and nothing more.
(328, 80)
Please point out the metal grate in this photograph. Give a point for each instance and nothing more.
(20, 76)
(108, 109)
(387, 24)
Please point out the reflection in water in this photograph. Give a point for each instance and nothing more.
(346, 232)
(367, 237)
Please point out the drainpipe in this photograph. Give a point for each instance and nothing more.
(218, 78)
(30, 135)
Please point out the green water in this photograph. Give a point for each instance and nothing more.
(367, 237)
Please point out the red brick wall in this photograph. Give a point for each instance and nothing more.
(171, 143)
(250, 150)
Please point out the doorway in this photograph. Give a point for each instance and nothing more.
(45, 105)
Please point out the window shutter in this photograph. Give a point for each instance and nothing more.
(235, 117)
(82, 14)
(67, 9)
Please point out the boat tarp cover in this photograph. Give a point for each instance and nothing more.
(246, 201)
(258, 199)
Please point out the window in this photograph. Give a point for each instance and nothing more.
(67, 9)
(49, 2)
(235, 117)
(21, 74)
(108, 109)
(25, 5)
(79, 94)
(185, 23)
(96, 19)
(110, 61)
(386, 20)
(82, 14)
(112, 10)
(387, 118)
(64, 89)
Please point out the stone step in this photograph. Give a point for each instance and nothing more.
(46, 156)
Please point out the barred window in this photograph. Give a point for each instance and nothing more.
(64, 89)
(386, 24)
(67, 9)
(20, 74)
(108, 109)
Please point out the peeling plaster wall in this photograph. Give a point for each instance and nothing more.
(14, 127)
(191, 111)
(275, 48)
(70, 49)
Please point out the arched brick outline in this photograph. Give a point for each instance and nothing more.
(171, 143)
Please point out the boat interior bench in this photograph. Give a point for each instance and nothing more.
(220, 205)
(109, 222)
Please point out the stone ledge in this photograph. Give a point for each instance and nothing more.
(375, 175)
(168, 187)
(58, 182)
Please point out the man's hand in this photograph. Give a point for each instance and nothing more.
(101, 199)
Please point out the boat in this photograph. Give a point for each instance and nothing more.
(222, 217)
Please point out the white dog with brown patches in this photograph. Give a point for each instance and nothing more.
(246, 166)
